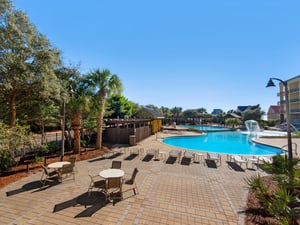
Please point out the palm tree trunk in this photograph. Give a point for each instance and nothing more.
(100, 121)
(76, 126)
(99, 131)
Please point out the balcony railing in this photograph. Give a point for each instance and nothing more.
(293, 100)
(295, 110)
(296, 89)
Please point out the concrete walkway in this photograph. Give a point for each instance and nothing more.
(168, 194)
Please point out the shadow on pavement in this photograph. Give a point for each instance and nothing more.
(235, 166)
(131, 156)
(171, 160)
(34, 185)
(92, 203)
(147, 158)
(211, 163)
(186, 161)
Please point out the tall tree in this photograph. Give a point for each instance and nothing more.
(78, 104)
(201, 111)
(253, 113)
(165, 111)
(119, 106)
(104, 83)
(27, 62)
(176, 111)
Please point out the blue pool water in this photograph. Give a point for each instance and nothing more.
(207, 128)
(229, 142)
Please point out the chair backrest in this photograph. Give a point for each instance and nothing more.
(92, 179)
(72, 160)
(213, 156)
(116, 164)
(175, 154)
(68, 168)
(114, 182)
(134, 173)
(152, 151)
(189, 154)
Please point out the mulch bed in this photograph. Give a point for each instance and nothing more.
(255, 213)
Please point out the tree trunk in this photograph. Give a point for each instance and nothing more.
(100, 122)
(76, 126)
(13, 110)
(99, 132)
(43, 138)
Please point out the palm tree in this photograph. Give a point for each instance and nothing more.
(103, 83)
(176, 111)
(79, 103)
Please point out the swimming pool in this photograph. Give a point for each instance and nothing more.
(207, 128)
(229, 142)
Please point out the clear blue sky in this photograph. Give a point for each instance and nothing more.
(190, 54)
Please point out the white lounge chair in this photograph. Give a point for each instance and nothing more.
(175, 154)
(153, 152)
(189, 154)
(254, 161)
(239, 160)
(264, 159)
(187, 157)
(214, 157)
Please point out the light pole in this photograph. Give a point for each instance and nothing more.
(288, 124)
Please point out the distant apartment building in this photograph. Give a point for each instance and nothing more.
(293, 85)
(273, 113)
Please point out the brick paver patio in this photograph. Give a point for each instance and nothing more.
(168, 194)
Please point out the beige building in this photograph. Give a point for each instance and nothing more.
(293, 85)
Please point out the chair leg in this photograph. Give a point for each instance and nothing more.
(135, 190)
(42, 180)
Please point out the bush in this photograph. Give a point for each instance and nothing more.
(6, 160)
(52, 147)
(282, 202)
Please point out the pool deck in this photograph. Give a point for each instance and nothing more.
(198, 193)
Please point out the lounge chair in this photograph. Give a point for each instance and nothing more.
(239, 160)
(137, 151)
(254, 161)
(134, 152)
(214, 157)
(153, 153)
(264, 159)
(114, 152)
(175, 154)
(187, 157)
(189, 154)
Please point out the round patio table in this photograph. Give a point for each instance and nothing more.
(57, 165)
(111, 173)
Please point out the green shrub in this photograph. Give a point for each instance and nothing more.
(52, 147)
(282, 203)
(6, 160)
